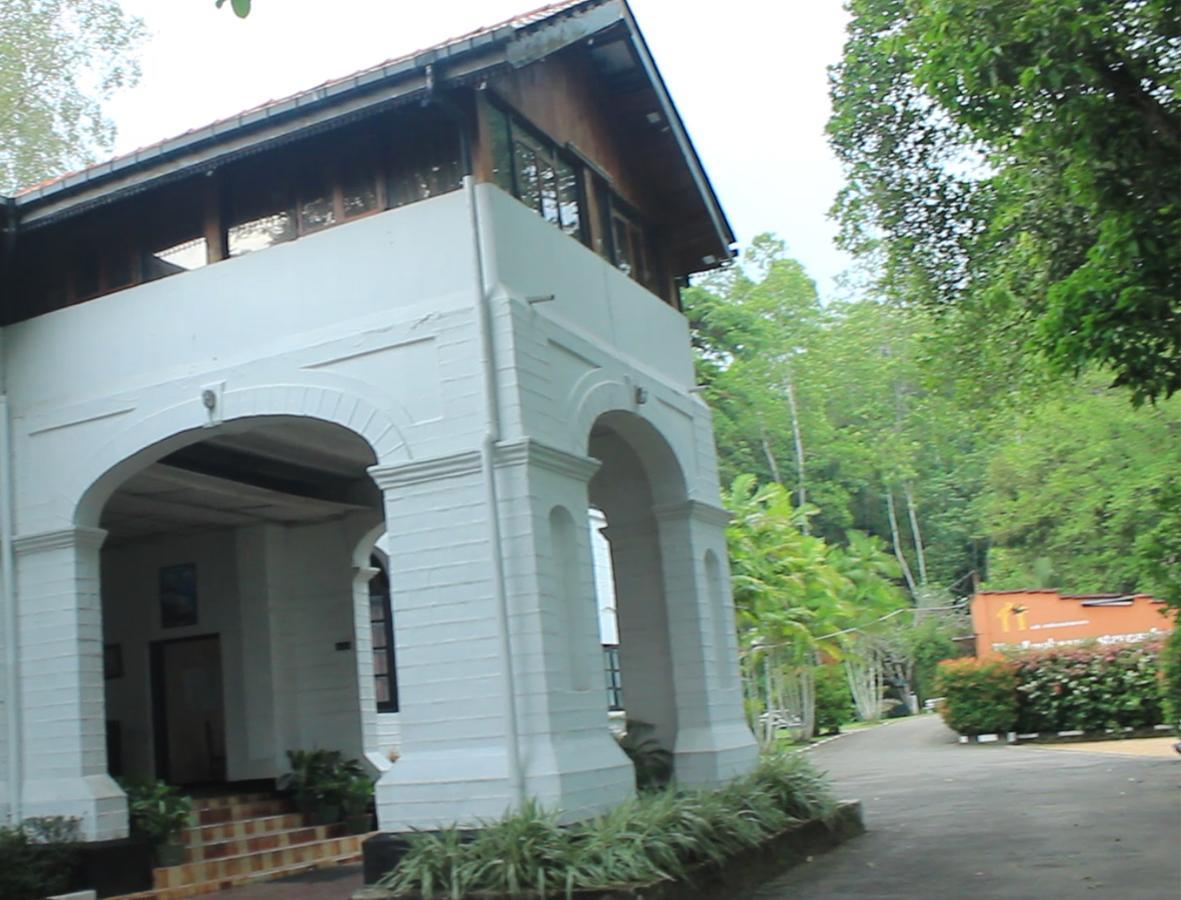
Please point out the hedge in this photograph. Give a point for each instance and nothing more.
(1088, 688)
(979, 697)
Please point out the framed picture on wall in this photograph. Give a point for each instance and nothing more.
(178, 595)
(112, 661)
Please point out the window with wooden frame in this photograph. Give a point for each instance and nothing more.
(537, 172)
(381, 626)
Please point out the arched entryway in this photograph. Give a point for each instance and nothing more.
(236, 618)
(677, 662)
(638, 475)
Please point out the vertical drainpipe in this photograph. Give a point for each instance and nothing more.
(488, 446)
(8, 598)
(8, 592)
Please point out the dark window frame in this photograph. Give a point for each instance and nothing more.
(379, 586)
(557, 155)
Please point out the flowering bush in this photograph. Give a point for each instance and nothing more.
(1170, 677)
(979, 696)
(1089, 688)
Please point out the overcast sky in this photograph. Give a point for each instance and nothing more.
(748, 77)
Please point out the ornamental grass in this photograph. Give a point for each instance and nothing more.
(659, 836)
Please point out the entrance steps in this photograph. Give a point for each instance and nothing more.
(246, 838)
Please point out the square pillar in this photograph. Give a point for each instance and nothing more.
(713, 743)
(454, 763)
(61, 674)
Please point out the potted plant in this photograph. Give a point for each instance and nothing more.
(318, 780)
(355, 797)
(159, 813)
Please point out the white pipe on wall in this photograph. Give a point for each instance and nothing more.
(492, 500)
(8, 596)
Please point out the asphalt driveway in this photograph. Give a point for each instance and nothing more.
(989, 821)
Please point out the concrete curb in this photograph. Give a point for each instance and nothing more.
(1013, 737)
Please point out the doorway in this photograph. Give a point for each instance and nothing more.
(189, 710)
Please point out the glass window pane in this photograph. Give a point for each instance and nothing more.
(549, 191)
(571, 215)
(378, 632)
(623, 246)
(501, 147)
(260, 233)
(381, 687)
(381, 663)
(316, 211)
(360, 191)
(528, 178)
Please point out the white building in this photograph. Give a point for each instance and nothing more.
(436, 300)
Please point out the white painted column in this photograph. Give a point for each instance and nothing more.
(571, 762)
(453, 764)
(65, 756)
(713, 742)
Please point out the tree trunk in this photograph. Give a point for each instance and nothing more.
(912, 512)
(767, 453)
(864, 673)
(801, 490)
(894, 536)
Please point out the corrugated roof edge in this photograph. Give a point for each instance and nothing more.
(319, 94)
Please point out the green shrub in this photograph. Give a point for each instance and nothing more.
(657, 837)
(37, 857)
(1089, 688)
(1170, 677)
(652, 762)
(158, 812)
(834, 702)
(979, 697)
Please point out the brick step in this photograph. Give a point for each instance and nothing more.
(261, 863)
(201, 888)
(273, 840)
(223, 800)
(243, 828)
(232, 812)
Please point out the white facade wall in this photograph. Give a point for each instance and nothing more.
(372, 325)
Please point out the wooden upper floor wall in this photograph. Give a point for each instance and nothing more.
(596, 129)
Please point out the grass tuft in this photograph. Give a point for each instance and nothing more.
(659, 836)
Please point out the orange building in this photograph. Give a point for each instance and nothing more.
(1035, 619)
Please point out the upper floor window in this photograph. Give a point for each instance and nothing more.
(535, 171)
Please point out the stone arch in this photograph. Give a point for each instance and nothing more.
(597, 399)
(154, 436)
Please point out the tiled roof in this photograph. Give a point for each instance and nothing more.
(523, 20)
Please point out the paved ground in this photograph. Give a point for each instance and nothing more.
(991, 821)
(952, 820)
(328, 884)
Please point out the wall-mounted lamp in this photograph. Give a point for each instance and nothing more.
(641, 396)
(209, 399)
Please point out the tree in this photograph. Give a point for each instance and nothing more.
(59, 59)
(1082, 494)
(1016, 163)
(798, 598)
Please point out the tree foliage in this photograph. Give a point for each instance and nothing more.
(1018, 162)
(59, 59)
(1082, 494)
